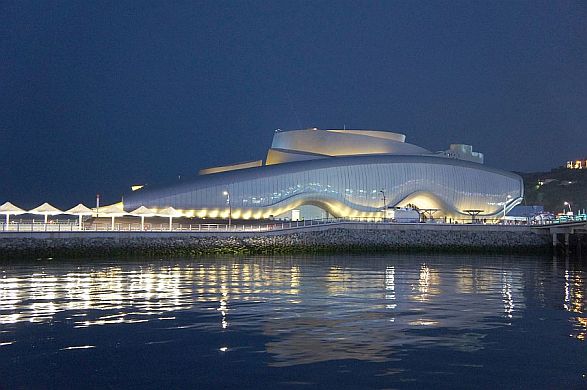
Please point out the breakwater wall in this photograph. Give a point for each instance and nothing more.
(333, 238)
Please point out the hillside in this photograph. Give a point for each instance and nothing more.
(552, 189)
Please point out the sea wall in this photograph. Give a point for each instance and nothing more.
(334, 239)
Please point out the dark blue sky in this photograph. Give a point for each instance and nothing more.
(96, 96)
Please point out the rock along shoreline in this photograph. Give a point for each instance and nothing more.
(331, 240)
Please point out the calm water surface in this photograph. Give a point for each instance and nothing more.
(301, 322)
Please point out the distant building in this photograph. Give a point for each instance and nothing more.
(577, 164)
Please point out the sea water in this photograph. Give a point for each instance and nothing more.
(364, 321)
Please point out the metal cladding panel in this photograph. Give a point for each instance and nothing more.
(342, 186)
(345, 143)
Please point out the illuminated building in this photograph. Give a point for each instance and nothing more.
(577, 164)
(347, 173)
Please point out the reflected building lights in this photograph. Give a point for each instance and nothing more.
(424, 280)
(506, 291)
(37, 298)
(149, 290)
(567, 304)
(575, 302)
(465, 281)
(224, 307)
(428, 279)
(390, 287)
(310, 328)
(295, 280)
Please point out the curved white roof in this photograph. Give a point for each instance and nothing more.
(297, 145)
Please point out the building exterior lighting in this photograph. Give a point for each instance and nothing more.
(342, 173)
(577, 164)
(384, 203)
(227, 194)
(507, 199)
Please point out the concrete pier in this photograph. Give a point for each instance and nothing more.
(572, 233)
(331, 237)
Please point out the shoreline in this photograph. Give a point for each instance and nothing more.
(344, 238)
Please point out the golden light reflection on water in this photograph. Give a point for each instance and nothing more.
(312, 311)
(138, 294)
(575, 291)
(428, 281)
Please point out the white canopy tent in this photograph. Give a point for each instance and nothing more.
(112, 211)
(9, 209)
(143, 212)
(170, 213)
(79, 210)
(45, 209)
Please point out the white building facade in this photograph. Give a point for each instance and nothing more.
(347, 173)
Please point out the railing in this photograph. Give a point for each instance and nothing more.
(25, 226)
(163, 227)
(71, 226)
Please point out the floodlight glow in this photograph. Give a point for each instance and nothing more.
(344, 173)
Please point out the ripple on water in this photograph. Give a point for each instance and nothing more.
(304, 311)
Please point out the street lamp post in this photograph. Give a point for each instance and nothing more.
(227, 194)
(384, 203)
(570, 209)
(504, 206)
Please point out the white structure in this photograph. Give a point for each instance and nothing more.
(80, 210)
(345, 173)
(45, 210)
(462, 152)
(169, 212)
(9, 209)
(112, 211)
(143, 212)
(402, 215)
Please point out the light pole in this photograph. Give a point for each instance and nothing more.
(384, 203)
(227, 194)
(570, 209)
(504, 206)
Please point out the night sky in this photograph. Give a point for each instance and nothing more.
(96, 96)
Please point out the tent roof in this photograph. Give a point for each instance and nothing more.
(9, 208)
(45, 208)
(113, 210)
(80, 209)
(168, 212)
(143, 211)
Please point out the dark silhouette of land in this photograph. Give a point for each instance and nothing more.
(552, 189)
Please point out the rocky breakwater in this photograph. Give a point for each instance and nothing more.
(332, 240)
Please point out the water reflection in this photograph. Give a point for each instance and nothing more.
(575, 300)
(310, 309)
